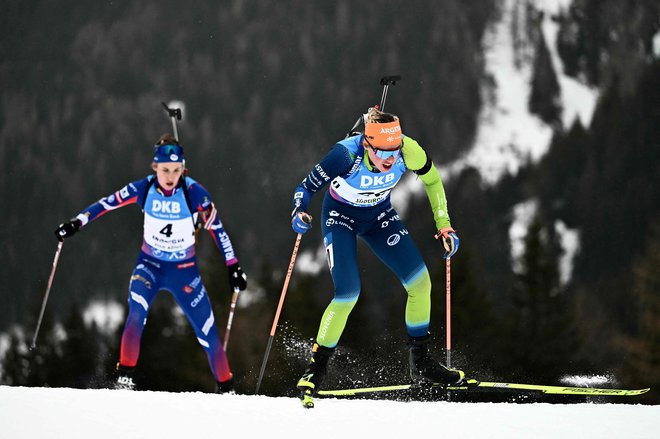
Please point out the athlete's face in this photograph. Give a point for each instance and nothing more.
(168, 174)
(382, 164)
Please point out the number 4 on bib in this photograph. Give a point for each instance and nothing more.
(167, 230)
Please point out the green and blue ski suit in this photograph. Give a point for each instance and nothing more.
(357, 203)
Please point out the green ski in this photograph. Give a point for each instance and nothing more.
(472, 386)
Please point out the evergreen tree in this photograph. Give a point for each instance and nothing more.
(15, 363)
(541, 326)
(544, 98)
(79, 363)
(44, 359)
(642, 367)
(65, 356)
(559, 173)
(605, 40)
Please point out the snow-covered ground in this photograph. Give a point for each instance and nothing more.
(119, 414)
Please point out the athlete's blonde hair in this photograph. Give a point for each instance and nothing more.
(374, 115)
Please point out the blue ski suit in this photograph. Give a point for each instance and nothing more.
(357, 204)
(167, 261)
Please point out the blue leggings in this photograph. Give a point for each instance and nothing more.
(381, 228)
(183, 281)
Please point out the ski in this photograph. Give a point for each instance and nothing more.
(475, 386)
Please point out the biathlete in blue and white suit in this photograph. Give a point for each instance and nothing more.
(361, 171)
(174, 207)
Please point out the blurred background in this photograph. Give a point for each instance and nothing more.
(542, 116)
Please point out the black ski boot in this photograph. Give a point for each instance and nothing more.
(311, 380)
(425, 369)
(125, 378)
(226, 387)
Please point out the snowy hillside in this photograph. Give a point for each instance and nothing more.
(508, 133)
(98, 414)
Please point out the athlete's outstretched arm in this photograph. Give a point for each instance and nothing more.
(129, 194)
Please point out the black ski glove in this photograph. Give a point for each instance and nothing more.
(67, 229)
(237, 279)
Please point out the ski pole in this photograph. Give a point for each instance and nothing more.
(50, 283)
(279, 309)
(174, 114)
(386, 81)
(232, 308)
(448, 287)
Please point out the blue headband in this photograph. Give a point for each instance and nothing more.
(168, 154)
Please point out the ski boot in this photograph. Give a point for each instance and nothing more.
(125, 378)
(226, 387)
(424, 369)
(311, 380)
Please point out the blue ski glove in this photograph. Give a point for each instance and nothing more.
(450, 241)
(301, 222)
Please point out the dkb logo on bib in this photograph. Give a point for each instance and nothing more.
(367, 180)
(166, 206)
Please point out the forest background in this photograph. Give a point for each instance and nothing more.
(268, 88)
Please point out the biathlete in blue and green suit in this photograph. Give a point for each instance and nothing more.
(361, 171)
